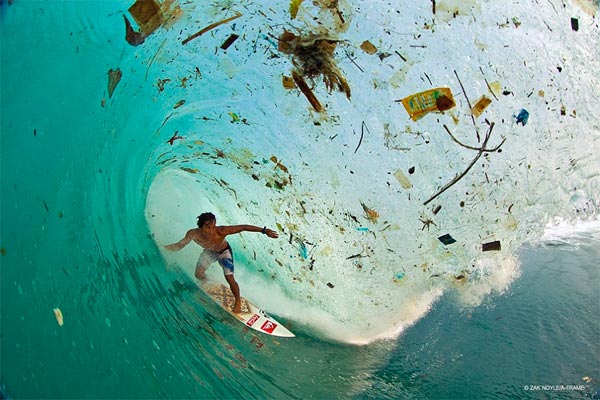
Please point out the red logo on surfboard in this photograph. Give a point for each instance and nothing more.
(268, 327)
(252, 320)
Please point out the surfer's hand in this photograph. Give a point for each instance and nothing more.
(271, 233)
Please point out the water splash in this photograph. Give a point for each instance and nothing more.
(314, 174)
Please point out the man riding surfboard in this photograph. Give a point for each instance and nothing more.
(212, 239)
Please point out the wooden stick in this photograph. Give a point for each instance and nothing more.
(362, 133)
(459, 177)
(470, 107)
(303, 86)
(211, 26)
(471, 147)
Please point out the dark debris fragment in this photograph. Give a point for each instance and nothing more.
(446, 239)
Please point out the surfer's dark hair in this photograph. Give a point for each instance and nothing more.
(204, 218)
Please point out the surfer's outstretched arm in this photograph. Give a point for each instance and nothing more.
(233, 229)
(182, 243)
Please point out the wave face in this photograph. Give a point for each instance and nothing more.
(360, 256)
(93, 184)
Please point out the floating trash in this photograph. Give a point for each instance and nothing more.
(368, 47)
(419, 104)
(133, 37)
(294, 5)
(491, 246)
(523, 117)
(288, 82)
(399, 175)
(447, 239)
(481, 105)
(313, 57)
(371, 214)
(303, 251)
(399, 276)
(232, 38)
(147, 15)
(209, 27)
(575, 24)
(114, 77)
(59, 316)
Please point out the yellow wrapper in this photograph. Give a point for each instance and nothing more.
(419, 104)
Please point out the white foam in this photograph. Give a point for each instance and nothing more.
(344, 282)
(565, 231)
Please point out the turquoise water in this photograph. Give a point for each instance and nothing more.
(90, 189)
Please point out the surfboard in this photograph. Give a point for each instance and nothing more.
(251, 315)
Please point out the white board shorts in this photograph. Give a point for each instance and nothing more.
(225, 259)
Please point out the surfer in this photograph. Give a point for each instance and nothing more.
(212, 239)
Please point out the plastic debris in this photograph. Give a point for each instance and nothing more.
(371, 214)
(131, 36)
(147, 15)
(419, 104)
(399, 175)
(234, 117)
(331, 285)
(288, 82)
(446, 239)
(399, 276)
(303, 251)
(491, 246)
(179, 104)
(227, 66)
(232, 38)
(114, 77)
(362, 229)
(481, 105)
(575, 24)
(59, 316)
(495, 88)
(523, 117)
(368, 47)
(294, 5)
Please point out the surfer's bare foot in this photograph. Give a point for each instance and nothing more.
(237, 309)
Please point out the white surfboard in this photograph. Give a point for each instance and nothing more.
(251, 316)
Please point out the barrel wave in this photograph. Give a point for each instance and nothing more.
(322, 120)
